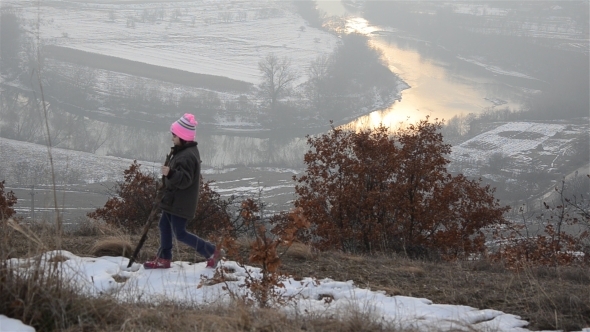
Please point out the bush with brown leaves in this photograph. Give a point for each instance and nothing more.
(7, 201)
(375, 190)
(134, 198)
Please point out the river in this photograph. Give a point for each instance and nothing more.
(438, 83)
(441, 84)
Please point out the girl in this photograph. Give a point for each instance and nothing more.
(182, 181)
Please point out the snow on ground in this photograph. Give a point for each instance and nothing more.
(13, 325)
(479, 10)
(21, 158)
(509, 139)
(186, 283)
(224, 38)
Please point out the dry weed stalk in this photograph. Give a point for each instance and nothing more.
(113, 246)
(24, 230)
(265, 288)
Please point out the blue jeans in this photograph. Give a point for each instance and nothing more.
(170, 223)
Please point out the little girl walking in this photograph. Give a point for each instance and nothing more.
(182, 181)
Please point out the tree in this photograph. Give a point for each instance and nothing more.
(277, 79)
(355, 62)
(23, 116)
(10, 41)
(308, 10)
(316, 87)
(374, 190)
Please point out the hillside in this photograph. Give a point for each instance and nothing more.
(220, 38)
(545, 299)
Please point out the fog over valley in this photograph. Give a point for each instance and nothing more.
(365, 165)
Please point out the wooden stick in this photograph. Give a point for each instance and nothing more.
(150, 219)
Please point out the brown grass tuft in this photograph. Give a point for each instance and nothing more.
(112, 246)
(57, 259)
(25, 231)
(410, 270)
(298, 250)
(92, 227)
(391, 291)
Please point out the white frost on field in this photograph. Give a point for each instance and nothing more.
(69, 165)
(222, 38)
(509, 139)
(479, 10)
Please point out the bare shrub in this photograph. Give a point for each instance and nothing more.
(554, 246)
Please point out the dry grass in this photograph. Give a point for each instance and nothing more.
(297, 250)
(546, 297)
(91, 227)
(113, 246)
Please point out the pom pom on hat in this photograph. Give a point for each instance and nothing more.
(185, 127)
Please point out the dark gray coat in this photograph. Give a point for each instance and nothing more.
(181, 186)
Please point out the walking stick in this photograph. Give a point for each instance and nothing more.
(150, 218)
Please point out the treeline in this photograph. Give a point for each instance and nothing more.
(464, 126)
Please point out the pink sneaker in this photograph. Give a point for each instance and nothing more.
(157, 263)
(214, 259)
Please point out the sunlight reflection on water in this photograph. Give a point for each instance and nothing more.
(434, 90)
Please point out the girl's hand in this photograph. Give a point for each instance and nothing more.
(165, 170)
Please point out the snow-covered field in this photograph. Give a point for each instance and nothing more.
(508, 139)
(524, 142)
(214, 37)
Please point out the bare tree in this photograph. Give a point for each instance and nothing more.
(316, 88)
(226, 16)
(112, 15)
(10, 43)
(25, 120)
(277, 79)
(242, 16)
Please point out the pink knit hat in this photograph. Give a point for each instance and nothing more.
(185, 127)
